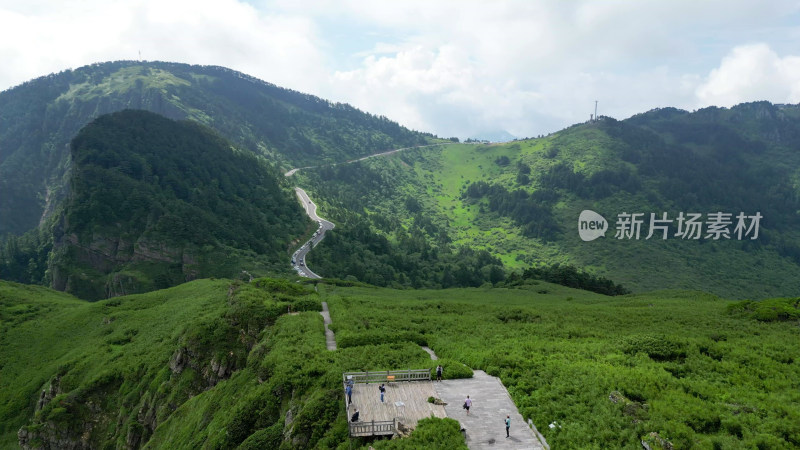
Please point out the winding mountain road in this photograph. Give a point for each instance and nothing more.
(299, 256)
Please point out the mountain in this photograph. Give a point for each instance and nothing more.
(493, 136)
(521, 200)
(39, 118)
(155, 202)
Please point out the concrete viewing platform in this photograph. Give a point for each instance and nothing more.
(484, 426)
(406, 402)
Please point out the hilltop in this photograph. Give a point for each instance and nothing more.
(39, 118)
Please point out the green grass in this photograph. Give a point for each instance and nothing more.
(123, 80)
(83, 341)
(687, 369)
(438, 176)
(700, 371)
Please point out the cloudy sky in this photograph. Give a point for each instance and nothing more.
(455, 68)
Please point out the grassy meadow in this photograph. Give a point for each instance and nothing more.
(700, 371)
(221, 364)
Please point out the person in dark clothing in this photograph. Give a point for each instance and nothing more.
(382, 388)
(349, 390)
(439, 372)
(354, 418)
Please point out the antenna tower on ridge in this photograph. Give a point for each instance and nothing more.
(595, 110)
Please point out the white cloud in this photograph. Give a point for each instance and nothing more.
(534, 67)
(49, 37)
(449, 67)
(752, 72)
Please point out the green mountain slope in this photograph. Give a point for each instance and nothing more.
(521, 200)
(154, 202)
(39, 118)
(220, 364)
(207, 364)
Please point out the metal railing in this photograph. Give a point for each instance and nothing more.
(379, 376)
(380, 427)
(373, 428)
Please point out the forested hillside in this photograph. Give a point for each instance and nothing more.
(40, 117)
(521, 200)
(153, 203)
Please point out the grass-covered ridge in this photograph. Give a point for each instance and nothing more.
(220, 364)
(208, 363)
(520, 201)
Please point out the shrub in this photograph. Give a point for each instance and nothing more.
(657, 347)
(266, 438)
(307, 304)
(281, 285)
(444, 434)
(375, 337)
(452, 369)
(770, 310)
(518, 315)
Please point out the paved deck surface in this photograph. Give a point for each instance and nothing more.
(413, 394)
(330, 339)
(490, 403)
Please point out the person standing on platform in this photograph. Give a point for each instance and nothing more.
(468, 404)
(508, 424)
(349, 390)
(383, 391)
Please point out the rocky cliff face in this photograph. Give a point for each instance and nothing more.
(101, 267)
(54, 427)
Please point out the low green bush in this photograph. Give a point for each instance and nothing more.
(770, 310)
(451, 369)
(430, 433)
(657, 347)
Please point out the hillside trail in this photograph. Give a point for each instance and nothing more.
(330, 338)
(430, 352)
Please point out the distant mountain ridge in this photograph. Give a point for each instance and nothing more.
(39, 118)
(521, 200)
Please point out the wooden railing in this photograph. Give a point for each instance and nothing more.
(373, 428)
(382, 376)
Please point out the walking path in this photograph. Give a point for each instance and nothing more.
(330, 339)
(484, 425)
(430, 352)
